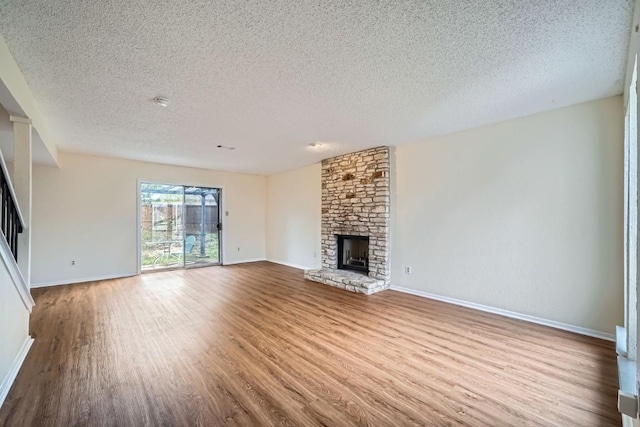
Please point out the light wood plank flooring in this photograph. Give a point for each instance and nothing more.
(257, 345)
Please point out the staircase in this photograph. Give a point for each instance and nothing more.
(15, 299)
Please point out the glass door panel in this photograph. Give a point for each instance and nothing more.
(201, 213)
(161, 226)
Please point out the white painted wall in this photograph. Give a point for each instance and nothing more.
(293, 217)
(525, 215)
(14, 329)
(87, 211)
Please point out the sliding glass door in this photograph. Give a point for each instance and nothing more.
(179, 226)
(202, 226)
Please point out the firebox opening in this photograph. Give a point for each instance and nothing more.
(353, 253)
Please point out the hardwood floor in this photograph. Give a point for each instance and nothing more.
(257, 345)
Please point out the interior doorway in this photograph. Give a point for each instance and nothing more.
(179, 226)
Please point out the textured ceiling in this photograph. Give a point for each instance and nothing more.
(270, 77)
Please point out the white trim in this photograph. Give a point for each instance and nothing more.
(81, 280)
(138, 226)
(8, 380)
(243, 261)
(20, 119)
(16, 276)
(621, 341)
(288, 264)
(5, 171)
(634, 48)
(223, 220)
(512, 314)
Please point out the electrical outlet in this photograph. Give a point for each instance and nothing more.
(73, 263)
(315, 255)
(407, 269)
(238, 249)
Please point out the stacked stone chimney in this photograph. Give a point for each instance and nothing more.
(356, 202)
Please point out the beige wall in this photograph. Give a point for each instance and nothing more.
(87, 211)
(525, 215)
(293, 217)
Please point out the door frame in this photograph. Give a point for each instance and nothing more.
(184, 231)
(221, 214)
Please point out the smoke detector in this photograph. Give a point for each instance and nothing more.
(161, 101)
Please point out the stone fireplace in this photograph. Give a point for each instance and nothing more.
(355, 222)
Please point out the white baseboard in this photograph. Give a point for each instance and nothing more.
(8, 380)
(527, 318)
(288, 264)
(627, 421)
(81, 280)
(243, 261)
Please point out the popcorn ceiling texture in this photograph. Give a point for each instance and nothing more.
(356, 202)
(270, 77)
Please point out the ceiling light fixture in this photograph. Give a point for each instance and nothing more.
(315, 145)
(161, 101)
(226, 147)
